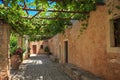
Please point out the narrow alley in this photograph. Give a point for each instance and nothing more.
(39, 67)
(59, 39)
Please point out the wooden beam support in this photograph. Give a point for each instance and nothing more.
(51, 24)
(65, 11)
(25, 6)
(58, 18)
(51, 18)
(35, 14)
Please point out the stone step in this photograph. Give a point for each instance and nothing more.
(79, 74)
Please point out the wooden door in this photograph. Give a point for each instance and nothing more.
(66, 51)
(34, 49)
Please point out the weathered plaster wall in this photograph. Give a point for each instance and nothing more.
(4, 48)
(54, 45)
(38, 45)
(89, 50)
(113, 53)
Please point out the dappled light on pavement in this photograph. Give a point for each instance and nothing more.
(39, 67)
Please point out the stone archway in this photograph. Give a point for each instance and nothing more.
(4, 50)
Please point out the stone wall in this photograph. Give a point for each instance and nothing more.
(113, 53)
(38, 44)
(4, 48)
(91, 50)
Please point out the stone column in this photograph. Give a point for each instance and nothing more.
(4, 50)
(20, 41)
(26, 43)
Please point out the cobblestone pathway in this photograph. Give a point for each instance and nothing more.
(39, 68)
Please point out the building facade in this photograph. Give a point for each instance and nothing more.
(97, 48)
(37, 47)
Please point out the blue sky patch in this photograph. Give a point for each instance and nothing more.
(1, 2)
(32, 12)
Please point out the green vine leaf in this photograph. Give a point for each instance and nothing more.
(13, 14)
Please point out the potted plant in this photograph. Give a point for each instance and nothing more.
(46, 49)
(16, 58)
(15, 61)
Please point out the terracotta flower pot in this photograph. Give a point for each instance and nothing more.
(15, 61)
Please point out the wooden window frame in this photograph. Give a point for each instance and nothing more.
(110, 38)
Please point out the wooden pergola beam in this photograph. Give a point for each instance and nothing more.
(51, 18)
(35, 14)
(51, 24)
(25, 6)
(65, 11)
(58, 18)
(98, 2)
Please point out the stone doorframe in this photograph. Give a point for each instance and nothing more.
(66, 51)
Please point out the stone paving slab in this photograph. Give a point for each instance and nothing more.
(39, 67)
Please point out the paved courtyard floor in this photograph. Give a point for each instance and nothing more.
(39, 67)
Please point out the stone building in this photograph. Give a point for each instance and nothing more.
(97, 48)
(37, 47)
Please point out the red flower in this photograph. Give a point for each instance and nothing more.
(19, 51)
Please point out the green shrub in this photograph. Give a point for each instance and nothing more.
(13, 44)
(46, 49)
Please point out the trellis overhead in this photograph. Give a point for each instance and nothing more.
(50, 16)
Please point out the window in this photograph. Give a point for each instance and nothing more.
(113, 35)
(41, 46)
(116, 24)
